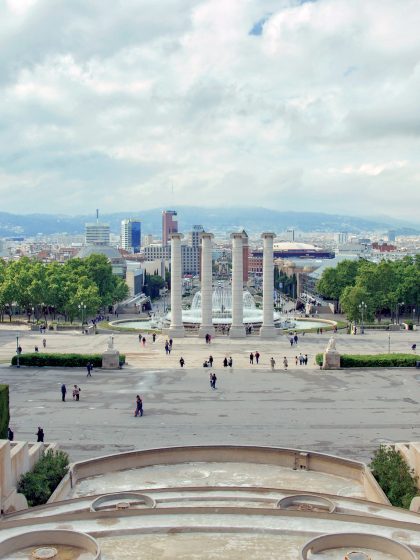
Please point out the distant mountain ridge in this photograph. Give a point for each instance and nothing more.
(253, 220)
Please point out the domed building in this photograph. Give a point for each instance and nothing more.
(117, 261)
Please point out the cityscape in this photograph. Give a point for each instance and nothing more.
(210, 280)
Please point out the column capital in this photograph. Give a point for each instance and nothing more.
(207, 235)
(177, 236)
(268, 234)
(237, 235)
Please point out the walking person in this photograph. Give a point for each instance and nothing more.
(76, 392)
(257, 357)
(10, 434)
(154, 337)
(181, 361)
(63, 392)
(89, 368)
(285, 363)
(230, 362)
(272, 363)
(251, 358)
(225, 362)
(143, 340)
(210, 360)
(214, 379)
(139, 406)
(296, 360)
(305, 360)
(44, 342)
(40, 435)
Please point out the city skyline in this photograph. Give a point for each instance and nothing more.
(287, 104)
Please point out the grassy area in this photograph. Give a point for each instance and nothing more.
(107, 326)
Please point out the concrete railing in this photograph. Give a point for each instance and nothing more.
(282, 457)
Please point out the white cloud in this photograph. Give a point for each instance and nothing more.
(318, 111)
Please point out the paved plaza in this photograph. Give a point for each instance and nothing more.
(348, 412)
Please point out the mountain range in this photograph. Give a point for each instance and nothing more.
(253, 220)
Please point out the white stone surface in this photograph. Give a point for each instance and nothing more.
(206, 285)
(267, 329)
(176, 329)
(237, 329)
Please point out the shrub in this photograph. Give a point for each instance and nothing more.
(394, 476)
(378, 360)
(38, 485)
(39, 359)
(373, 360)
(4, 410)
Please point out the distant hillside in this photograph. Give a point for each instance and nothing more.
(254, 220)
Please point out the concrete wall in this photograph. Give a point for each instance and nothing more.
(16, 458)
(290, 458)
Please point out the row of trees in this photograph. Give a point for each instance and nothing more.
(70, 289)
(377, 289)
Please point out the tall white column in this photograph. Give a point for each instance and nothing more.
(268, 329)
(237, 329)
(206, 285)
(176, 330)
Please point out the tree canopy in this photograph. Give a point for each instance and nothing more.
(383, 287)
(59, 288)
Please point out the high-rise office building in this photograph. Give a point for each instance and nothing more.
(131, 235)
(97, 233)
(169, 225)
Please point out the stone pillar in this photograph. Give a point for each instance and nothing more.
(206, 326)
(237, 329)
(176, 329)
(268, 329)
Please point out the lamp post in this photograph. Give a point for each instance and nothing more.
(17, 351)
(389, 343)
(362, 308)
(414, 315)
(33, 314)
(82, 308)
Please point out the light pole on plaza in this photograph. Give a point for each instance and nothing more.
(82, 307)
(17, 351)
(362, 309)
(414, 315)
(33, 313)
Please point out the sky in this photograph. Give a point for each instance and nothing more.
(286, 104)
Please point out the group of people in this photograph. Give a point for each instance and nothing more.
(75, 392)
(39, 434)
(302, 360)
(294, 339)
(208, 362)
(168, 346)
(254, 356)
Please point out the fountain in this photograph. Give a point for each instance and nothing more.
(222, 310)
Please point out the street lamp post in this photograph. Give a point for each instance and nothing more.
(397, 314)
(33, 314)
(414, 315)
(362, 309)
(82, 308)
(17, 351)
(389, 343)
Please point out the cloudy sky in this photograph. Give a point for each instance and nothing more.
(287, 104)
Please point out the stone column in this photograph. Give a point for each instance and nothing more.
(206, 286)
(268, 329)
(176, 330)
(237, 329)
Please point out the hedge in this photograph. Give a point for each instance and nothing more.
(374, 360)
(4, 410)
(39, 359)
(394, 476)
(38, 485)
